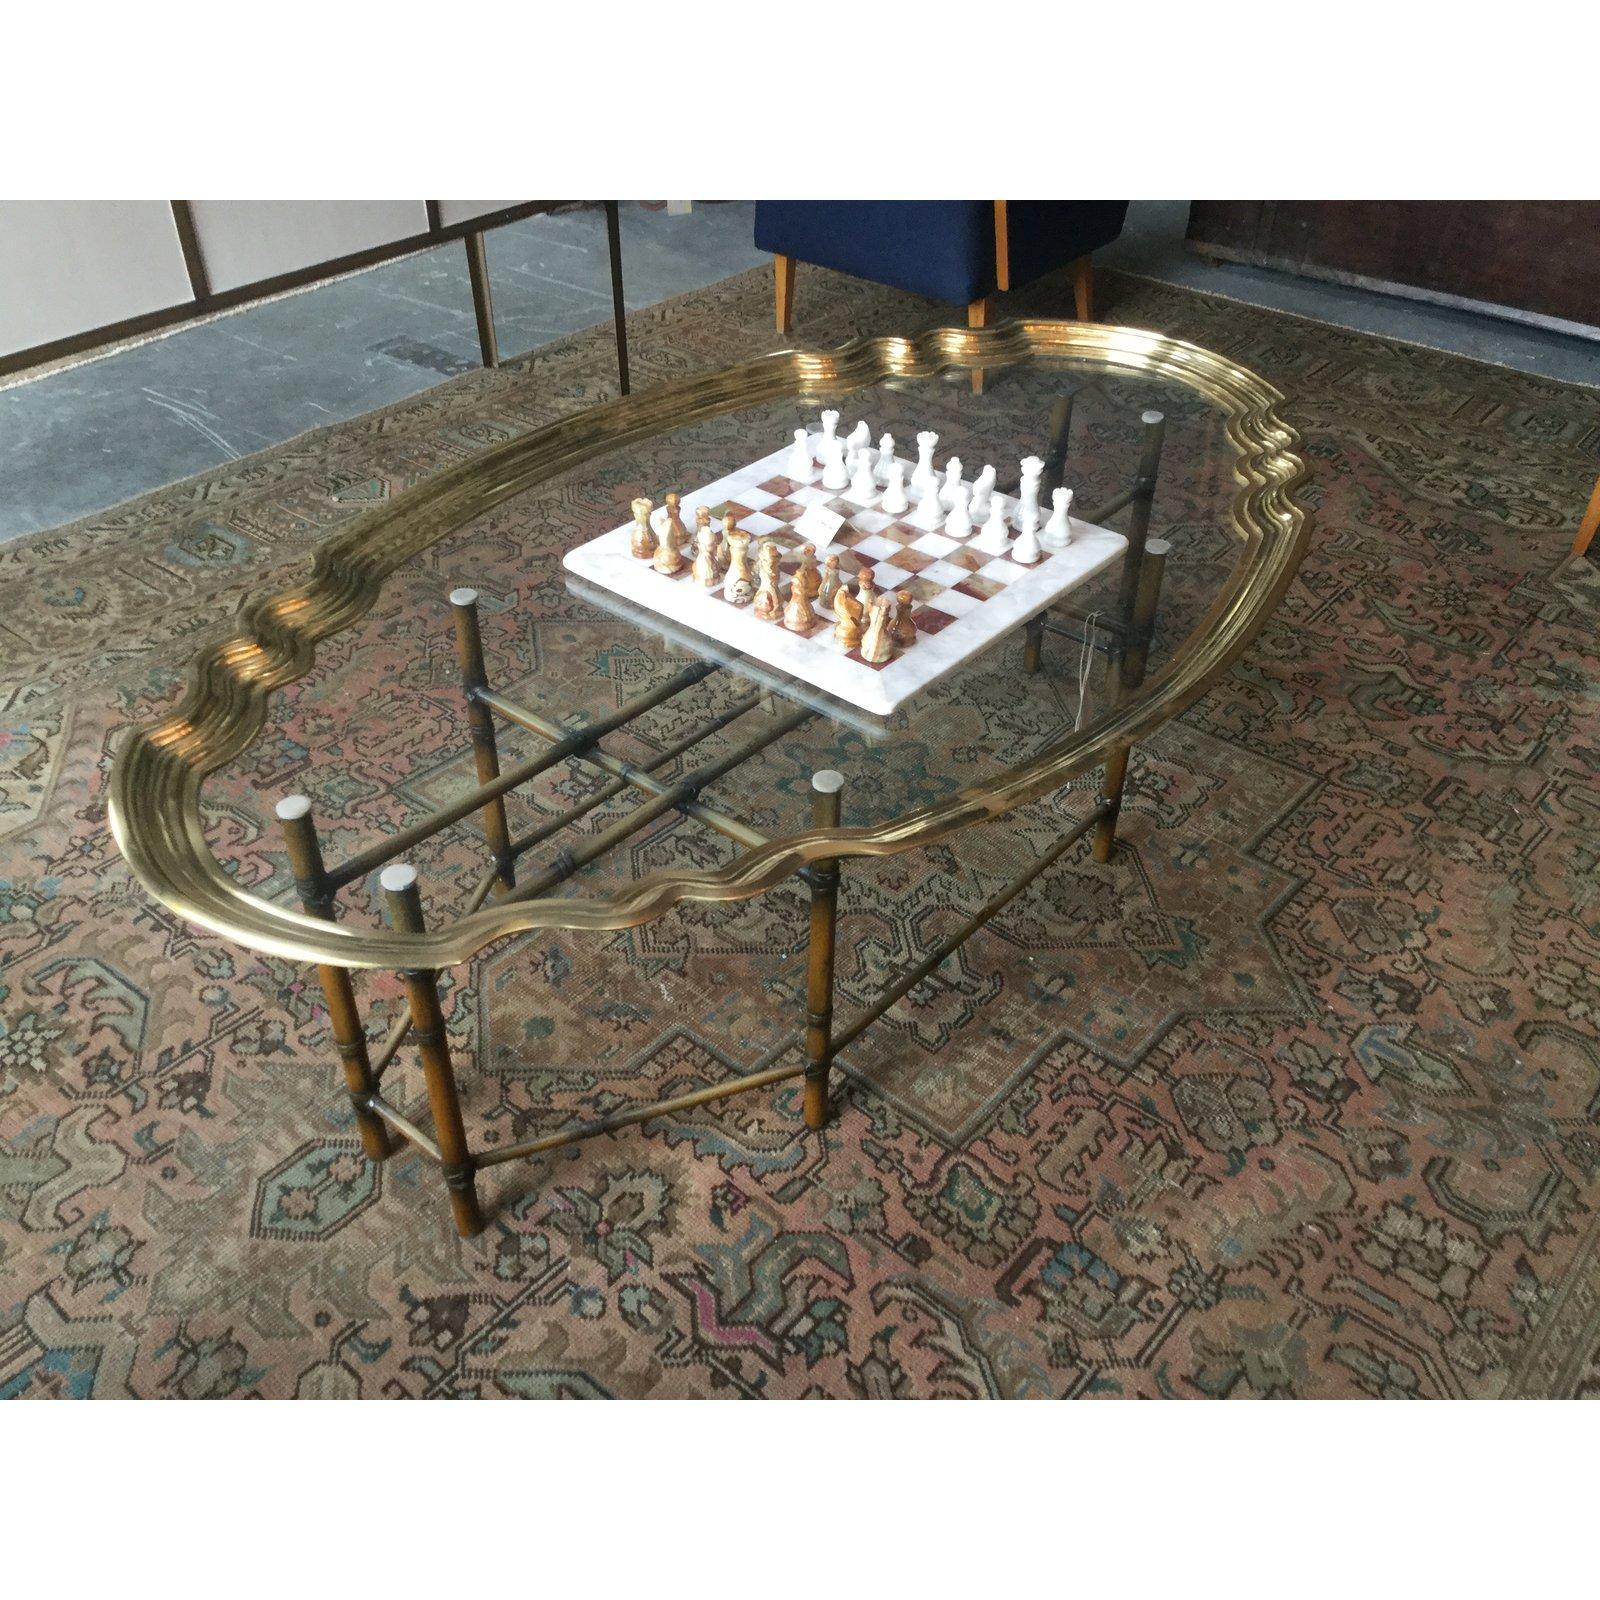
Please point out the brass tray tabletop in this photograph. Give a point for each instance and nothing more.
(157, 779)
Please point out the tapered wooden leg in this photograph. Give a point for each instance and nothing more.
(783, 280)
(978, 317)
(1586, 528)
(485, 754)
(482, 299)
(344, 1015)
(1083, 288)
(427, 1027)
(823, 876)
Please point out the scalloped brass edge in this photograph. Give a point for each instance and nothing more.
(158, 770)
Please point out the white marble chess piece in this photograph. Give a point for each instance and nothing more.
(885, 457)
(1025, 548)
(981, 491)
(995, 537)
(860, 437)
(799, 465)
(894, 494)
(929, 513)
(1028, 501)
(958, 525)
(835, 475)
(830, 431)
(863, 482)
(952, 482)
(1057, 532)
(923, 474)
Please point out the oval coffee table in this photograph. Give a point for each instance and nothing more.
(536, 702)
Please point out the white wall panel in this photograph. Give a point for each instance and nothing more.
(453, 211)
(67, 266)
(245, 241)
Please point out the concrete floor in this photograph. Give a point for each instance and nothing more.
(78, 440)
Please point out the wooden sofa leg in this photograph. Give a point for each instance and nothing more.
(1083, 287)
(978, 317)
(783, 279)
(1586, 528)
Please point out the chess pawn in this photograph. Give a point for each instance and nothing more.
(704, 571)
(923, 474)
(952, 482)
(847, 619)
(995, 539)
(828, 585)
(668, 558)
(835, 475)
(905, 627)
(929, 513)
(885, 460)
(798, 617)
(866, 588)
(981, 490)
(806, 578)
(724, 544)
(642, 541)
(864, 484)
(768, 602)
(702, 524)
(680, 534)
(798, 465)
(738, 586)
(894, 496)
(1025, 548)
(877, 643)
(1028, 500)
(958, 525)
(1058, 530)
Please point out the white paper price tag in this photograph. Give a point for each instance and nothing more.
(818, 525)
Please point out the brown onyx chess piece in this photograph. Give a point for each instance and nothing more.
(725, 549)
(798, 617)
(866, 589)
(702, 519)
(877, 645)
(739, 586)
(847, 610)
(828, 586)
(706, 572)
(768, 604)
(807, 577)
(668, 558)
(905, 629)
(642, 541)
(680, 534)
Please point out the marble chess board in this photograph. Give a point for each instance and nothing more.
(963, 599)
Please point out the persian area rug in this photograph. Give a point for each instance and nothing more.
(1337, 1133)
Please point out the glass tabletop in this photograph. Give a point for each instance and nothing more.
(652, 754)
(376, 734)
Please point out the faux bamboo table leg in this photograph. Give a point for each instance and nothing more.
(344, 1015)
(823, 877)
(1130, 674)
(427, 1022)
(474, 680)
(1128, 603)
